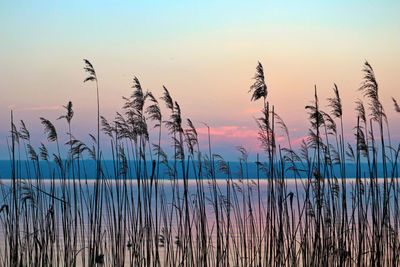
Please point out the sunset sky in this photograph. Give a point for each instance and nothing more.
(204, 52)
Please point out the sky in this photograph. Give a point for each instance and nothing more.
(204, 52)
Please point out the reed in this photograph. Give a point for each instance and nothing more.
(148, 207)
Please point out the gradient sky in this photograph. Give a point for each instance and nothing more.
(204, 52)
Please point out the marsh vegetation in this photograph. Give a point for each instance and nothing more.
(186, 208)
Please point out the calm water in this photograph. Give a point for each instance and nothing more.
(88, 170)
(246, 192)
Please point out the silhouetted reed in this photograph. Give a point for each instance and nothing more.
(190, 207)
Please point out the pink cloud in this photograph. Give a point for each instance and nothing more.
(280, 138)
(230, 136)
(230, 132)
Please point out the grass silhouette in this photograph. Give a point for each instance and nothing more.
(136, 215)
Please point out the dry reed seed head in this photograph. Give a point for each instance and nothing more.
(154, 113)
(361, 141)
(369, 87)
(193, 129)
(361, 110)
(316, 116)
(336, 103)
(32, 153)
(93, 138)
(23, 132)
(370, 84)
(167, 99)
(190, 141)
(151, 96)
(49, 129)
(106, 127)
(137, 97)
(243, 153)
(222, 165)
(396, 106)
(44, 154)
(259, 87)
(350, 152)
(70, 112)
(89, 69)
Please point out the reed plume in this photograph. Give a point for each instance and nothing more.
(259, 88)
(396, 106)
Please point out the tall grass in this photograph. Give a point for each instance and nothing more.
(187, 209)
